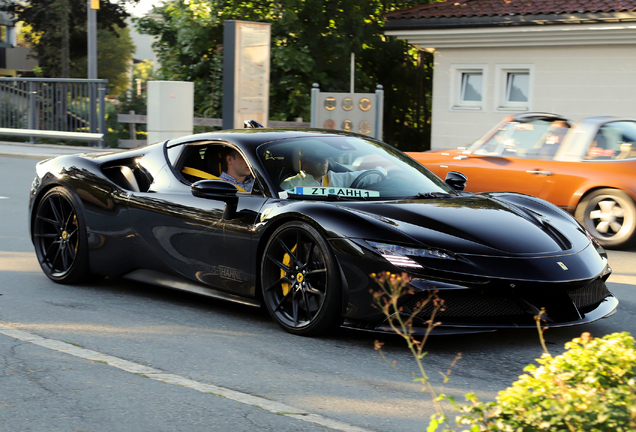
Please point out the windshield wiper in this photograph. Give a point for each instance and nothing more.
(346, 198)
(428, 195)
(331, 197)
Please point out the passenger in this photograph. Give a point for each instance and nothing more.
(237, 172)
(314, 171)
(599, 148)
(554, 139)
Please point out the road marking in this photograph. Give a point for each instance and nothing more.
(622, 279)
(168, 378)
(1, 197)
(18, 261)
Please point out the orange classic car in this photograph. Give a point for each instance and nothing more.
(588, 168)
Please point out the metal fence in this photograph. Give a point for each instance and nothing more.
(53, 107)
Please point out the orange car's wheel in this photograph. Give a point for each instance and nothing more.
(610, 216)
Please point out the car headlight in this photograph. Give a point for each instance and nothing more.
(35, 184)
(599, 249)
(399, 255)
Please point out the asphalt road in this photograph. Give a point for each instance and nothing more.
(115, 355)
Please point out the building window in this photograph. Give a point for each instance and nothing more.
(514, 87)
(5, 36)
(517, 87)
(471, 87)
(467, 93)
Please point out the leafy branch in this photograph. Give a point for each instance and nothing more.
(393, 289)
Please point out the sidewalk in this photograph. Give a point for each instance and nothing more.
(43, 151)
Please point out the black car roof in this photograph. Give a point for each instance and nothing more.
(533, 116)
(255, 137)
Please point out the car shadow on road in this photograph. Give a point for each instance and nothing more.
(503, 339)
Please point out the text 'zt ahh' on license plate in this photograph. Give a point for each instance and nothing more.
(340, 191)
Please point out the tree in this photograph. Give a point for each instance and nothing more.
(312, 41)
(61, 10)
(114, 59)
(135, 99)
(53, 22)
(188, 33)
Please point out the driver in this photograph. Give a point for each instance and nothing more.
(237, 171)
(314, 171)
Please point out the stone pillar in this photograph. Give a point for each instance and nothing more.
(170, 110)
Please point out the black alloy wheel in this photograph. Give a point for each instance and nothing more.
(609, 215)
(300, 284)
(59, 236)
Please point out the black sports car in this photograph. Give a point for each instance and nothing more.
(318, 212)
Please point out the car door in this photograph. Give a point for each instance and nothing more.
(190, 236)
(497, 173)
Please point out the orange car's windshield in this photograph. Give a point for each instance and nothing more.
(537, 139)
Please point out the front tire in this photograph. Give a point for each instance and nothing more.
(300, 284)
(59, 237)
(609, 215)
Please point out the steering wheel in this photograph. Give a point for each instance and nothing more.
(367, 173)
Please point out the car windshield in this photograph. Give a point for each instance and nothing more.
(538, 139)
(346, 168)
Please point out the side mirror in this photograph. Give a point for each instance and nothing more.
(218, 190)
(456, 180)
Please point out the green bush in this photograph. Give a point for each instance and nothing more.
(590, 387)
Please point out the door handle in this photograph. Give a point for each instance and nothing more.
(539, 172)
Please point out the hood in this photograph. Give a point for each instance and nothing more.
(447, 151)
(479, 224)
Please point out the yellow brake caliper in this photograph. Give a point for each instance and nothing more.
(76, 230)
(286, 260)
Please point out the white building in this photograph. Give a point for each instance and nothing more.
(576, 58)
(143, 45)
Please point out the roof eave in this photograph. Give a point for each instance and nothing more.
(506, 20)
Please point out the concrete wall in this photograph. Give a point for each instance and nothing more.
(573, 81)
(170, 110)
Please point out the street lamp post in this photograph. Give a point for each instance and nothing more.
(92, 6)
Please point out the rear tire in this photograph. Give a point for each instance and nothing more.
(300, 285)
(609, 215)
(59, 237)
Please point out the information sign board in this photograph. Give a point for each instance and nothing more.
(246, 65)
(351, 112)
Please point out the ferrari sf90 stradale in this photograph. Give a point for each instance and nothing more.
(312, 215)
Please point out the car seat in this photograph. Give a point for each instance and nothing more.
(602, 149)
(287, 166)
(625, 151)
(214, 160)
(203, 165)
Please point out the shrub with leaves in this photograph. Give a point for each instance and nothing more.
(590, 387)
